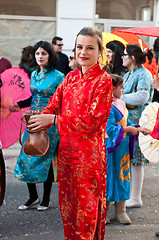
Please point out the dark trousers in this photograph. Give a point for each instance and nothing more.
(47, 187)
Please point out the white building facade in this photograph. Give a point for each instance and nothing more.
(23, 23)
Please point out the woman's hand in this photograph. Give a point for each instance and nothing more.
(15, 108)
(39, 121)
(155, 82)
(145, 131)
(134, 131)
(137, 130)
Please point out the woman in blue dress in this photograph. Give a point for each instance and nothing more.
(29, 169)
(137, 94)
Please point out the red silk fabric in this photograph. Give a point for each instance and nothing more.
(82, 104)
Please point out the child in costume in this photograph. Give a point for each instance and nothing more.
(120, 140)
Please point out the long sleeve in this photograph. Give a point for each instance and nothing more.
(25, 103)
(55, 102)
(69, 121)
(137, 87)
(91, 121)
(136, 99)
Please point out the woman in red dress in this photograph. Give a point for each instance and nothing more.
(80, 107)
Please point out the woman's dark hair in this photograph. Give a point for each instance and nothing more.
(93, 32)
(156, 45)
(52, 62)
(116, 80)
(27, 55)
(140, 56)
(118, 49)
(26, 61)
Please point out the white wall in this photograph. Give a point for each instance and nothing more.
(17, 32)
(71, 16)
(157, 14)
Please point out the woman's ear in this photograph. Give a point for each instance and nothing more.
(100, 53)
(133, 58)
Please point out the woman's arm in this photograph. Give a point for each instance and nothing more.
(21, 104)
(96, 115)
(141, 92)
(81, 124)
(25, 103)
(136, 99)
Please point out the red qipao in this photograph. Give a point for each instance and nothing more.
(82, 104)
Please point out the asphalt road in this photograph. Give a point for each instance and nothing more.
(34, 225)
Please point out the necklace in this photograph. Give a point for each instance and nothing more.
(130, 72)
(128, 77)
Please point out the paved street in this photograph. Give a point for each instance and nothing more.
(34, 225)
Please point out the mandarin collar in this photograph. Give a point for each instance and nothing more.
(43, 72)
(94, 69)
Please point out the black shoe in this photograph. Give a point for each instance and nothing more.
(157, 234)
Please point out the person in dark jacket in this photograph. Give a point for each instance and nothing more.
(63, 62)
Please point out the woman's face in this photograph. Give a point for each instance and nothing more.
(73, 61)
(127, 60)
(109, 55)
(87, 51)
(42, 57)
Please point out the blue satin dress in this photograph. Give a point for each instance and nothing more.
(35, 169)
(139, 79)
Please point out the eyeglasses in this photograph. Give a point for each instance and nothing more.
(60, 45)
(124, 54)
(71, 58)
